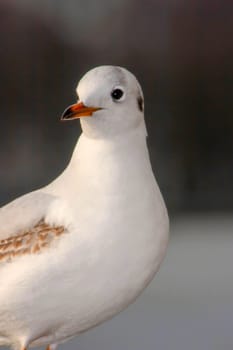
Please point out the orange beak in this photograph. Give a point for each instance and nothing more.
(78, 110)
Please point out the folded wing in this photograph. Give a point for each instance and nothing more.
(23, 228)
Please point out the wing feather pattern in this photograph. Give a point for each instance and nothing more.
(23, 227)
(30, 241)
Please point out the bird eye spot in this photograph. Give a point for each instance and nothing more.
(117, 94)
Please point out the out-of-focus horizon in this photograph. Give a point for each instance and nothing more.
(182, 54)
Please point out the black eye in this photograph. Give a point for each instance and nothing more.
(117, 94)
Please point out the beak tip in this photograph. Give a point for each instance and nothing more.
(62, 118)
(68, 113)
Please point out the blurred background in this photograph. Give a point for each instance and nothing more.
(182, 54)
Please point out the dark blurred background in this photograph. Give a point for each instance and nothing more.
(182, 54)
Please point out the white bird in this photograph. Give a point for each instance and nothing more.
(78, 251)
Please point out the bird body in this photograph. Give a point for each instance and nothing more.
(81, 249)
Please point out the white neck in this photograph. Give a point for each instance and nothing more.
(131, 143)
(106, 165)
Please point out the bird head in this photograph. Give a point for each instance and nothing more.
(110, 102)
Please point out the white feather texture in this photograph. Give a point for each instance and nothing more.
(114, 219)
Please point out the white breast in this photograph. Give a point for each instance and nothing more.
(122, 225)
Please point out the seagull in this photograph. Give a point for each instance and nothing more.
(78, 251)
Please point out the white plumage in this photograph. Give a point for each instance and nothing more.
(79, 250)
